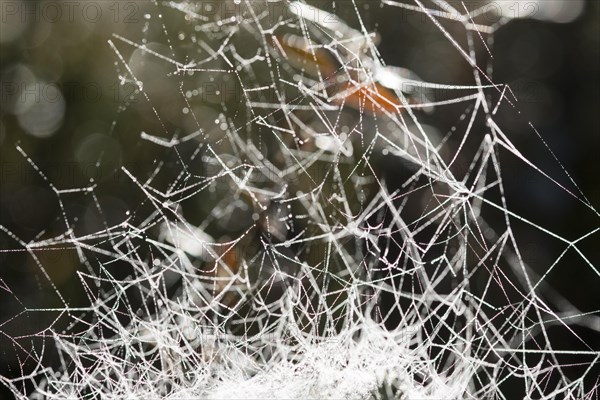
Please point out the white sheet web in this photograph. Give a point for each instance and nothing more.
(329, 281)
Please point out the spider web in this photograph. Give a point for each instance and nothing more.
(272, 255)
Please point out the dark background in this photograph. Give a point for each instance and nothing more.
(553, 69)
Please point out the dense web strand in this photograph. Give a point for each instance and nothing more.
(271, 257)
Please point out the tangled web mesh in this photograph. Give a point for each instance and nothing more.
(332, 281)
